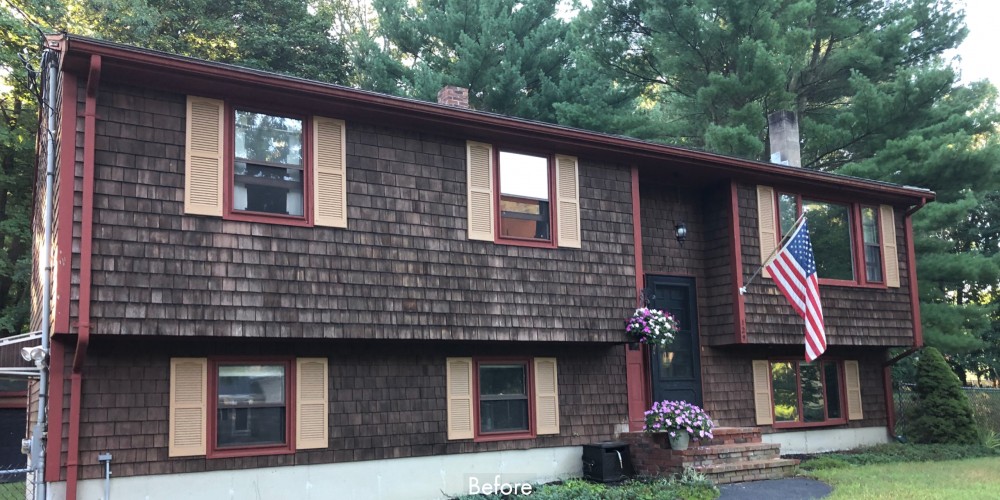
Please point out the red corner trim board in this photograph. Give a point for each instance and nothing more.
(86, 240)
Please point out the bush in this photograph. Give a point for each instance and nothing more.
(688, 486)
(896, 452)
(943, 414)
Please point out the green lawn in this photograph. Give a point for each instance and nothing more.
(11, 491)
(958, 479)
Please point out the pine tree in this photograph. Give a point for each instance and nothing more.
(285, 36)
(942, 413)
(516, 57)
(874, 97)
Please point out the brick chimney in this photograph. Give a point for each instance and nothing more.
(454, 96)
(783, 135)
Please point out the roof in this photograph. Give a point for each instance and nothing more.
(213, 79)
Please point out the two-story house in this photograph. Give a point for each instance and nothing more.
(270, 287)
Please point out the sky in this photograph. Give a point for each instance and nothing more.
(978, 52)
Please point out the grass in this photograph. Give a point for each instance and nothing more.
(11, 490)
(960, 479)
(688, 486)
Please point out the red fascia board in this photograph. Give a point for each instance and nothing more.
(121, 59)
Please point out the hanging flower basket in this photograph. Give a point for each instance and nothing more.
(652, 326)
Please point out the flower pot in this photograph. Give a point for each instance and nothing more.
(680, 441)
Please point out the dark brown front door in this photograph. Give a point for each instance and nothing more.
(676, 369)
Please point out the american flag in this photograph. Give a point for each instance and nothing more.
(794, 271)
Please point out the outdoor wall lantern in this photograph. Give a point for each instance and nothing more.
(681, 232)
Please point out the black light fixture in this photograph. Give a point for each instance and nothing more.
(681, 232)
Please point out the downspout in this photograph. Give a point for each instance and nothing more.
(49, 63)
(918, 338)
(86, 240)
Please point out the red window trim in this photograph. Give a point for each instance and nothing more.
(213, 400)
(229, 160)
(798, 386)
(857, 240)
(531, 433)
(497, 219)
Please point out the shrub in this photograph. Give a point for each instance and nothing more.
(897, 452)
(943, 414)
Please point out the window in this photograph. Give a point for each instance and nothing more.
(503, 398)
(524, 196)
(872, 245)
(267, 167)
(807, 393)
(519, 198)
(268, 164)
(251, 409)
(230, 407)
(838, 241)
(491, 399)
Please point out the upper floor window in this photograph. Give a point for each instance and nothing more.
(269, 165)
(872, 244)
(254, 166)
(524, 196)
(838, 240)
(520, 198)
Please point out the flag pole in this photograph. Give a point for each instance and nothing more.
(781, 244)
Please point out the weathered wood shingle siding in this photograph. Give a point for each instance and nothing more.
(704, 255)
(403, 268)
(387, 400)
(853, 315)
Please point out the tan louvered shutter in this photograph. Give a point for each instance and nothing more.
(853, 382)
(568, 198)
(311, 407)
(767, 224)
(330, 178)
(480, 181)
(546, 396)
(188, 401)
(203, 156)
(459, 382)
(889, 251)
(762, 392)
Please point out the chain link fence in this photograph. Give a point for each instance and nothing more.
(985, 404)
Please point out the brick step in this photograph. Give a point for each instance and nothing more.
(749, 470)
(732, 435)
(728, 453)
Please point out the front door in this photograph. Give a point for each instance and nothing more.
(676, 369)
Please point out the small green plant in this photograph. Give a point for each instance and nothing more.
(943, 414)
(989, 438)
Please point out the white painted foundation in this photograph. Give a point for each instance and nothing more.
(401, 478)
(822, 440)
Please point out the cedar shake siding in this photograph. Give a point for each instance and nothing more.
(705, 254)
(403, 269)
(853, 315)
(386, 400)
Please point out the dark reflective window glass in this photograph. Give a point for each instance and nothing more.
(813, 400)
(873, 250)
(251, 405)
(503, 398)
(786, 394)
(830, 234)
(832, 379)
